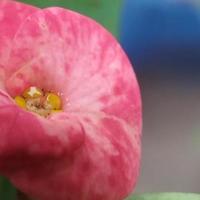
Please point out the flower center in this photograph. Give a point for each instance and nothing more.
(36, 100)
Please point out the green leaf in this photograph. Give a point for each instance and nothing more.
(166, 196)
(105, 12)
(7, 191)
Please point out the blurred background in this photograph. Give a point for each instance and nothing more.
(162, 40)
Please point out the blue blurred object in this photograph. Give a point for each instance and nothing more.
(162, 35)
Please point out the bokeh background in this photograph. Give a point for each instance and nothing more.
(162, 40)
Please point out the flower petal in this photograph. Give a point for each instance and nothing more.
(61, 50)
(104, 168)
(26, 138)
(57, 49)
(12, 14)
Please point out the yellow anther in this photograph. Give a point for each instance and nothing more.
(53, 101)
(43, 103)
(20, 101)
(32, 92)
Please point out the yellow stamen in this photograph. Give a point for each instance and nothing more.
(43, 103)
(20, 101)
(32, 92)
(52, 101)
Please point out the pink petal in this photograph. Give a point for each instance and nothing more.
(105, 168)
(64, 51)
(57, 49)
(25, 135)
(12, 14)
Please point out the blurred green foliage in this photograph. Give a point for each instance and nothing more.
(7, 191)
(106, 12)
(166, 196)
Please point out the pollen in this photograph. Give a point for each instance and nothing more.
(53, 101)
(42, 102)
(20, 101)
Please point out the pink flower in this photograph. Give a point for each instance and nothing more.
(90, 150)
